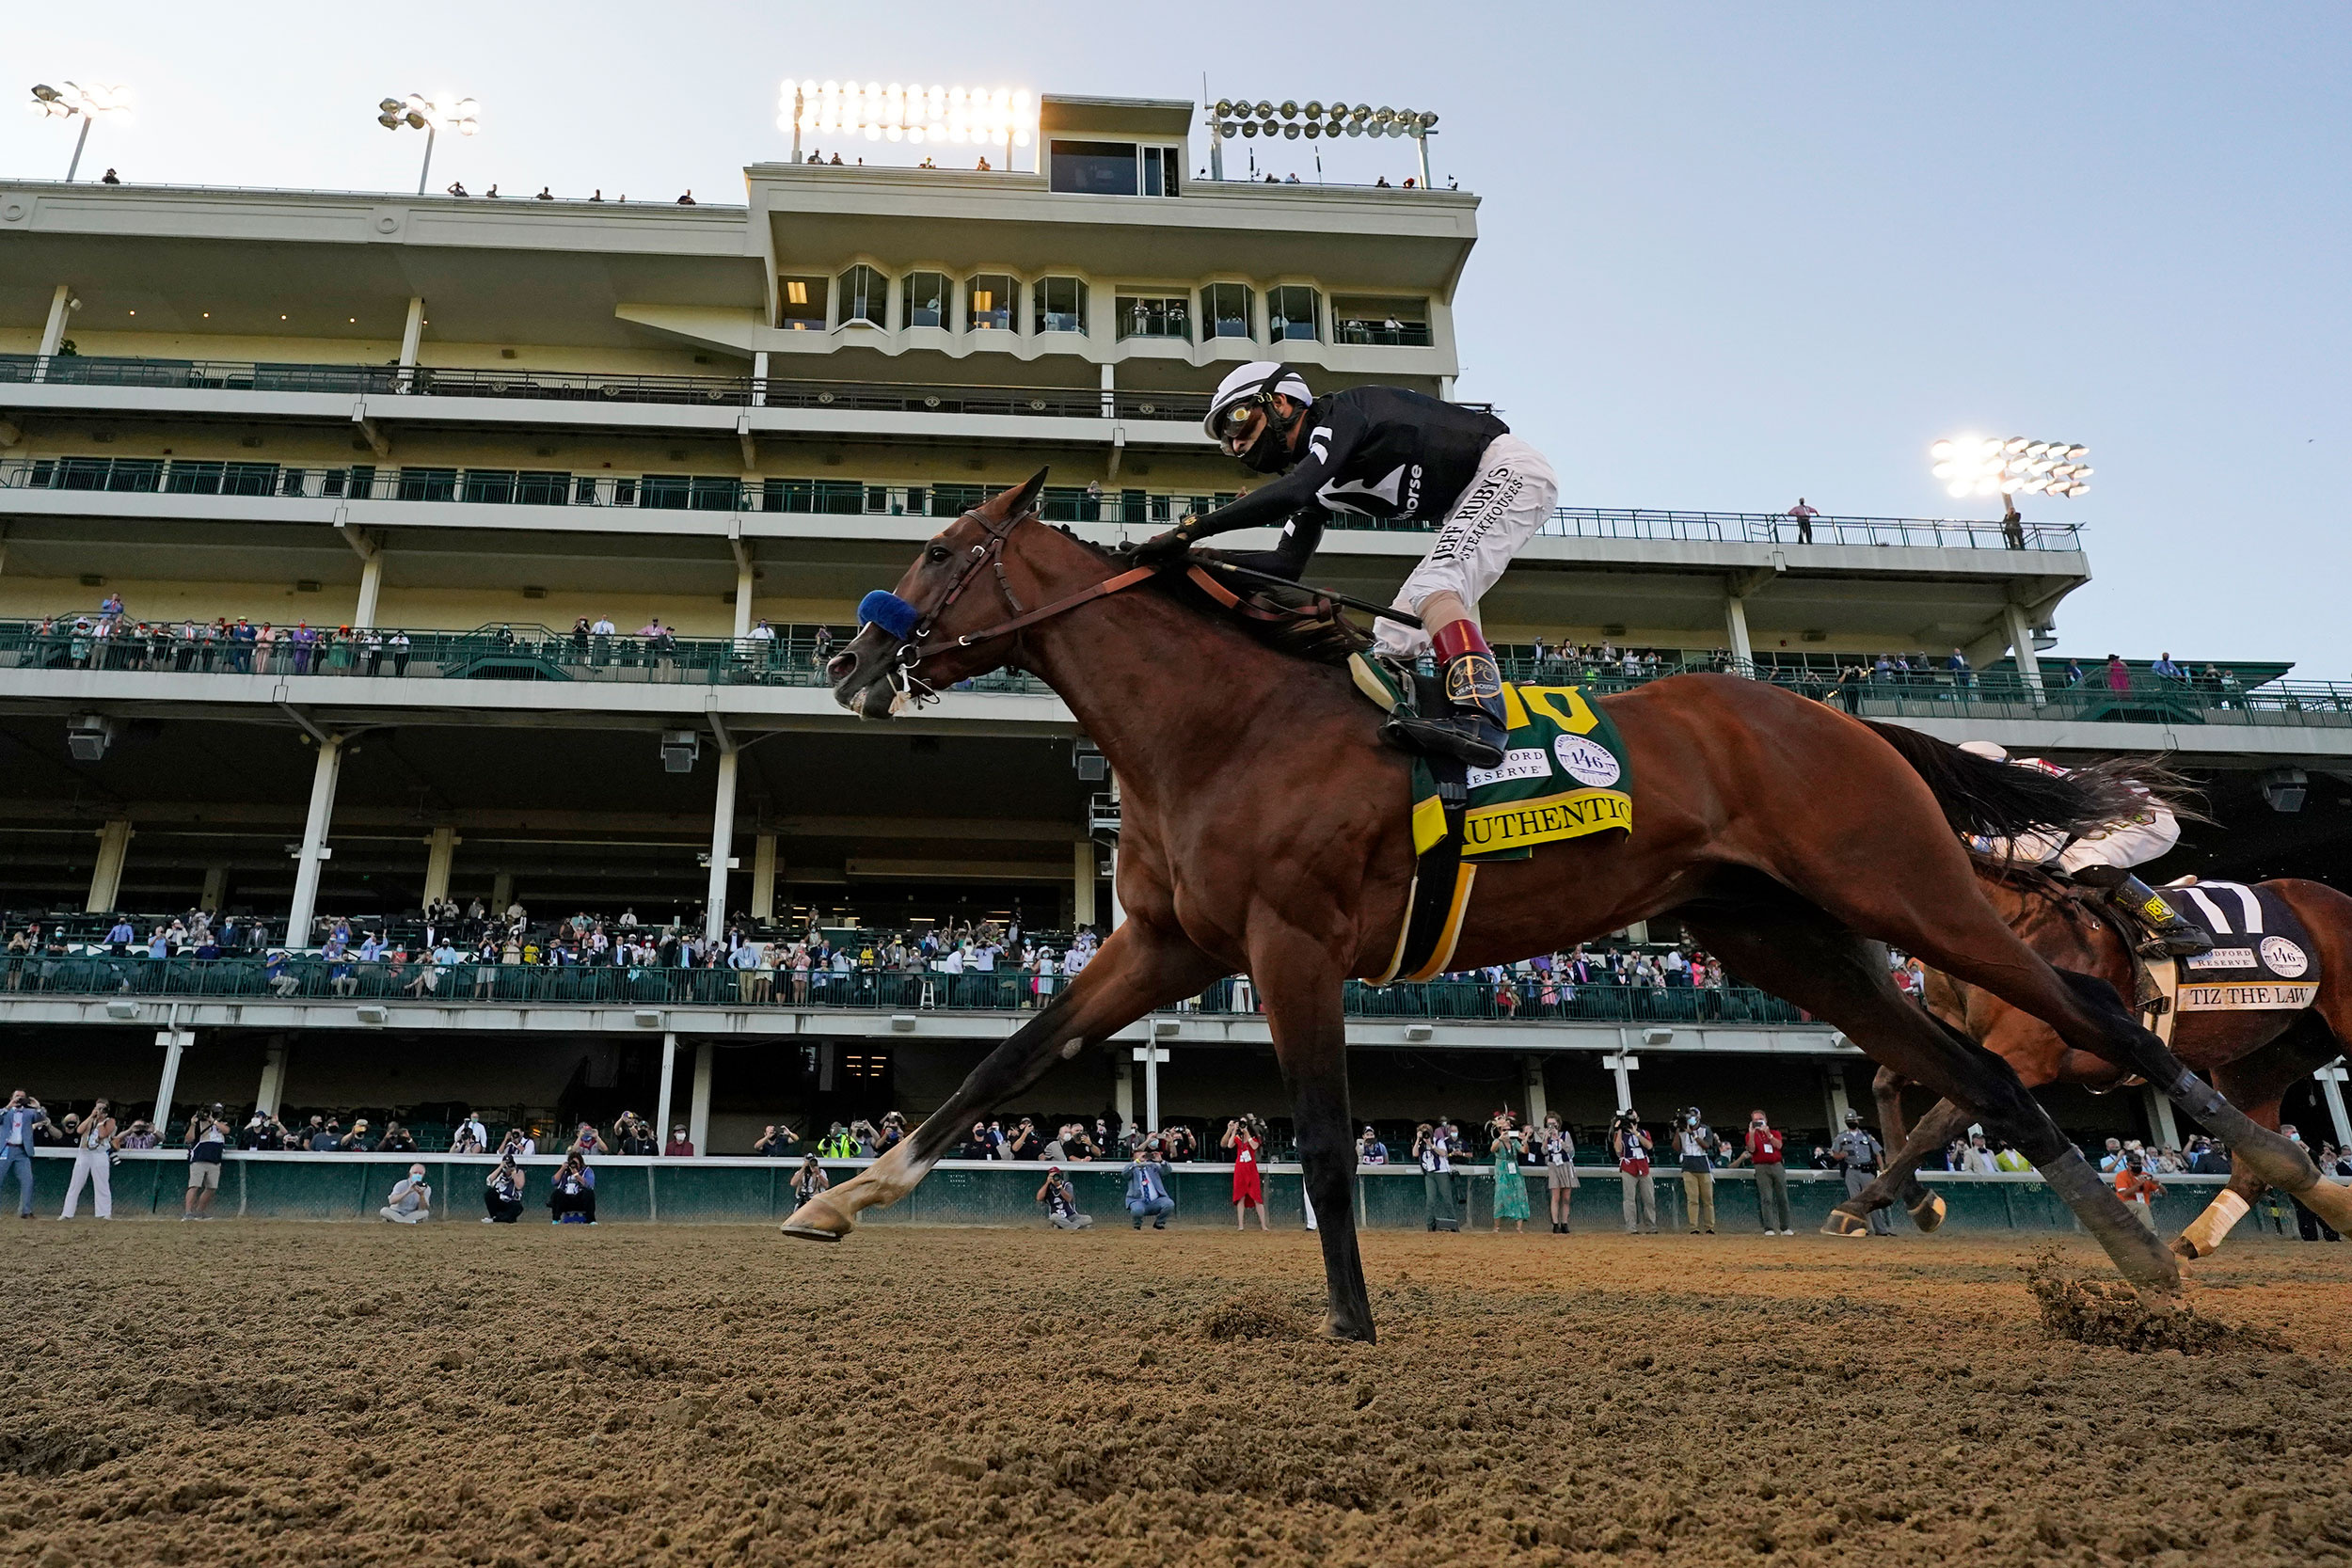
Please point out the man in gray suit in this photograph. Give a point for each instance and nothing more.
(17, 1123)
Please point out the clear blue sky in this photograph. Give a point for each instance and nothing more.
(1730, 254)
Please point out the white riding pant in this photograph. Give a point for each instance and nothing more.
(95, 1167)
(1508, 499)
(2132, 842)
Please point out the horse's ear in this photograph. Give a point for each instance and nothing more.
(1012, 504)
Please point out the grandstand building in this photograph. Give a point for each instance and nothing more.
(434, 445)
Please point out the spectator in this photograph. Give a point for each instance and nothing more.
(572, 1198)
(1431, 1148)
(1803, 515)
(1369, 1150)
(2134, 1186)
(809, 1180)
(1556, 1148)
(1695, 1150)
(502, 1193)
(1246, 1138)
(2007, 1158)
(1061, 1206)
(2118, 674)
(470, 1137)
(358, 1141)
(1632, 1146)
(208, 1137)
(544, 194)
(2112, 1160)
(680, 1147)
(633, 1135)
(1767, 1151)
(1147, 1189)
(775, 1141)
(1509, 1146)
(20, 1129)
(1858, 1154)
(94, 1148)
(1975, 1158)
(142, 1135)
(1024, 1143)
(587, 1141)
(397, 1140)
(412, 1199)
(686, 200)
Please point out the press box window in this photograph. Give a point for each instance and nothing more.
(1225, 310)
(1393, 323)
(926, 301)
(864, 297)
(1153, 316)
(988, 302)
(1061, 304)
(1112, 168)
(803, 309)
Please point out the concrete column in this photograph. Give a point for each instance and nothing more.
(698, 1116)
(2160, 1123)
(216, 892)
(1151, 1053)
(1834, 1096)
(1110, 384)
(1736, 630)
(2332, 1086)
(53, 335)
(2029, 663)
(1123, 1092)
(759, 379)
(1118, 914)
(106, 878)
(371, 587)
(502, 893)
(764, 877)
(273, 1089)
(662, 1124)
(743, 598)
(440, 855)
(410, 335)
(173, 1041)
(314, 854)
(1532, 1066)
(722, 846)
(1621, 1066)
(1082, 882)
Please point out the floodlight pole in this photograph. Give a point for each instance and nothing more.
(797, 109)
(1216, 145)
(423, 173)
(79, 142)
(1423, 140)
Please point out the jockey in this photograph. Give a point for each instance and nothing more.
(1404, 459)
(2104, 860)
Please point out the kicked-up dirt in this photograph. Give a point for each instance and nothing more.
(230, 1393)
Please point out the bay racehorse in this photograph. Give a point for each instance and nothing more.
(1265, 831)
(2253, 1056)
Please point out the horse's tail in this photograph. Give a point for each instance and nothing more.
(2000, 800)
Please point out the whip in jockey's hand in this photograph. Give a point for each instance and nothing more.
(1402, 458)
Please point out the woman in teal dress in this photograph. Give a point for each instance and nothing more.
(1510, 1183)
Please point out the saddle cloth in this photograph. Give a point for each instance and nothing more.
(1565, 774)
(2262, 955)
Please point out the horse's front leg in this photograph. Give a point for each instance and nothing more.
(1302, 983)
(1139, 968)
(1902, 1176)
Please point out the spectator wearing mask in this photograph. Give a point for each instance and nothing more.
(680, 1147)
(1434, 1151)
(94, 1147)
(2137, 1187)
(809, 1180)
(572, 1198)
(1369, 1150)
(1858, 1153)
(1061, 1205)
(1767, 1151)
(1556, 1148)
(411, 1200)
(1695, 1150)
(20, 1129)
(775, 1143)
(1509, 1146)
(1631, 1147)
(1146, 1188)
(503, 1192)
(1246, 1137)
(208, 1138)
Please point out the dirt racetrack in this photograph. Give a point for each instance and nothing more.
(255, 1392)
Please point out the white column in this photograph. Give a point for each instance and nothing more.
(1123, 1092)
(1082, 882)
(698, 1115)
(1110, 384)
(273, 1088)
(1735, 629)
(106, 878)
(2029, 664)
(722, 846)
(2332, 1086)
(410, 335)
(1151, 1053)
(661, 1123)
(371, 587)
(216, 892)
(742, 599)
(1621, 1068)
(53, 335)
(440, 855)
(1834, 1096)
(759, 379)
(1118, 914)
(764, 877)
(313, 853)
(172, 1041)
(2160, 1122)
(1533, 1065)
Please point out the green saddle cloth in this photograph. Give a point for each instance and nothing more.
(1565, 773)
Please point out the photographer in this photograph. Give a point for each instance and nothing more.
(470, 1136)
(1434, 1152)
(208, 1137)
(262, 1132)
(1695, 1147)
(1148, 1197)
(630, 1136)
(1631, 1147)
(502, 1193)
(1061, 1205)
(412, 1199)
(1246, 1137)
(572, 1199)
(777, 1142)
(20, 1129)
(809, 1180)
(93, 1163)
(1767, 1151)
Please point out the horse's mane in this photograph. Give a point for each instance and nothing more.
(1296, 622)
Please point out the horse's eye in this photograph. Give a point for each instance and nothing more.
(936, 554)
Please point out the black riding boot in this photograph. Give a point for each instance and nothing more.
(1471, 727)
(2169, 934)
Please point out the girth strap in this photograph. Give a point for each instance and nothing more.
(1438, 899)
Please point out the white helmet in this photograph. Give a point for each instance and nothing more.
(1991, 750)
(1245, 385)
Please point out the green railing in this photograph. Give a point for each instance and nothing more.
(318, 980)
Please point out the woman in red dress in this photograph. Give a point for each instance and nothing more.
(1247, 1139)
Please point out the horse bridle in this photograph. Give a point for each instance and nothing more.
(989, 553)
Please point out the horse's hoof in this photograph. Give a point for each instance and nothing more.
(809, 1232)
(2184, 1248)
(1931, 1213)
(818, 1220)
(1842, 1224)
(1360, 1332)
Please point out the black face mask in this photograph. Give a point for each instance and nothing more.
(1270, 454)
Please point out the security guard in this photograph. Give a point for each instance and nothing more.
(1860, 1154)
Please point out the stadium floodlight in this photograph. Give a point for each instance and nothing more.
(1990, 466)
(1238, 116)
(908, 112)
(446, 111)
(99, 98)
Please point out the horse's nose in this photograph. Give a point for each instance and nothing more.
(840, 667)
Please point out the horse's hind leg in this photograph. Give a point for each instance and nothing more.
(1771, 936)
(2255, 1082)
(1902, 1176)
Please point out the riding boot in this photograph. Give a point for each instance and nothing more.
(2170, 936)
(1472, 728)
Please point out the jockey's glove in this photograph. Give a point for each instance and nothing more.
(1169, 548)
